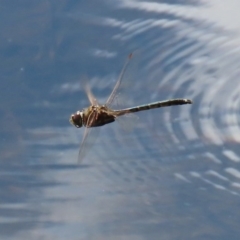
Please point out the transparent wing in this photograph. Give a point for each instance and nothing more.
(119, 99)
(83, 149)
(91, 134)
(128, 121)
(89, 137)
(89, 93)
(119, 81)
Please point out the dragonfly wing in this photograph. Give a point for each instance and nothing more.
(82, 149)
(89, 137)
(128, 121)
(87, 89)
(119, 81)
(90, 95)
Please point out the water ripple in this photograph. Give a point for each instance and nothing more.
(194, 58)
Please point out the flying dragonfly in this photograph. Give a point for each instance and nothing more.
(97, 115)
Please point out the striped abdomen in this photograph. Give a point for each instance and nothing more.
(159, 104)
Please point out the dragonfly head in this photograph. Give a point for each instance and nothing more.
(76, 119)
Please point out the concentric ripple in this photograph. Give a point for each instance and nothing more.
(185, 55)
(180, 53)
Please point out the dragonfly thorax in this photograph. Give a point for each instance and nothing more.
(77, 119)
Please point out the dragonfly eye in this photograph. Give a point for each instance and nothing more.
(76, 119)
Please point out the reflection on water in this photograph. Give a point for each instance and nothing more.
(176, 174)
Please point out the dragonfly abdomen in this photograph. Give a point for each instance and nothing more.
(172, 102)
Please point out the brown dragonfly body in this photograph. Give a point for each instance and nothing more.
(98, 115)
(93, 116)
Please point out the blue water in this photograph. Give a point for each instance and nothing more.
(174, 175)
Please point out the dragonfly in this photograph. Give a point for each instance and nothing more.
(97, 115)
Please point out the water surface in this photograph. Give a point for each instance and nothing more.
(175, 175)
